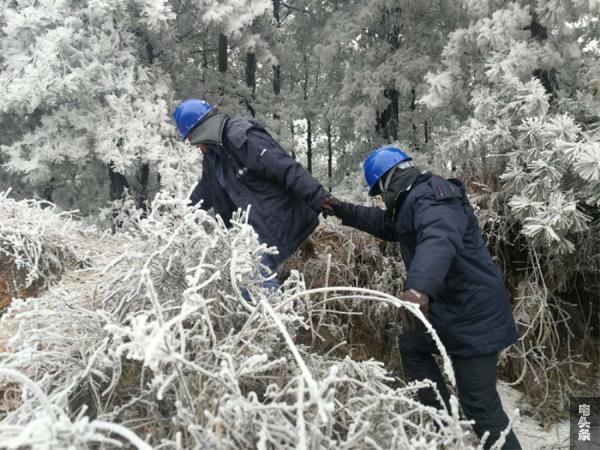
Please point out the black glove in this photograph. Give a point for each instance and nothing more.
(329, 205)
(343, 210)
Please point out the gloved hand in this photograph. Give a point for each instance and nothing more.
(409, 322)
(328, 206)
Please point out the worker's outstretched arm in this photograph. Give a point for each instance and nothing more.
(264, 155)
(375, 221)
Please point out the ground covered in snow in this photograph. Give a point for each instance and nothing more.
(531, 434)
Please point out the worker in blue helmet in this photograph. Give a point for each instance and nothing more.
(189, 114)
(450, 276)
(244, 166)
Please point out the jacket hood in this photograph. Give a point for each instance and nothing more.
(210, 130)
(402, 181)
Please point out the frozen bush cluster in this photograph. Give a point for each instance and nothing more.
(32, 239)
(152, 345)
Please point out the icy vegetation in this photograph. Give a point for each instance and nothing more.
(143, 339)
(138, 336)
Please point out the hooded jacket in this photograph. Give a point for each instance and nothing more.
(446, 258)
(249, 168)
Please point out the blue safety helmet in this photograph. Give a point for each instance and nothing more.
(379, 162)
(189, 114)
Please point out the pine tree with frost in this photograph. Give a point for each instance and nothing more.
(521, 125)
(78, 76)
(90, 87)
(518, 118)
(387, 47)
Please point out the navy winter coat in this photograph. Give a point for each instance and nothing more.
(446, 258)
(250, 168)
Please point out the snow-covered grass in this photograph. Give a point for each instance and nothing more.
(150, 344)
(32, 239)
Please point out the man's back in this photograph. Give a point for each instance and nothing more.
(250, 168)
(470, 305)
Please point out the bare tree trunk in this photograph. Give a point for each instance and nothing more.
(413, 107)
(118, 183)
(309, 145)
(426, 131)
(308, 119)
(277, 11)
(142, 194)
(204, 60)
(251, 72)
(277, 79)
(222, 61)
(277, 67)
(329, 155)
(117, 186)
(250, 81)
(387, 120)
(48, 190)
(222, 53)
(293, 131)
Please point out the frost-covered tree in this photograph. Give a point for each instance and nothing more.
(79, 79)
(517, 84)
(210, 42)
(87, 89)
(388, 46)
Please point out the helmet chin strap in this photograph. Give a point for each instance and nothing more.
(385, 184)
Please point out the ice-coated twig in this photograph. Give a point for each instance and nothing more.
(369, 294)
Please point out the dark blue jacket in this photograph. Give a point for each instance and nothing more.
(250, 168)
(445, 258)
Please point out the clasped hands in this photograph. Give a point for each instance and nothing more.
(328, 206)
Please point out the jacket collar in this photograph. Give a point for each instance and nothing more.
(398, 200)
(210, 130)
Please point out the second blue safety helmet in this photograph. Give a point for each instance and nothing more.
(379, 162)
(189, 114)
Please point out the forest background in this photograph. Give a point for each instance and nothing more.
(504, 95)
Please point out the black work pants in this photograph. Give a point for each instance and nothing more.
(475, 380)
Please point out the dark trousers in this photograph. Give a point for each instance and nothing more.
(475, 380)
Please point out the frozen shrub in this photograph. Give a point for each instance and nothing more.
(152, 345)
